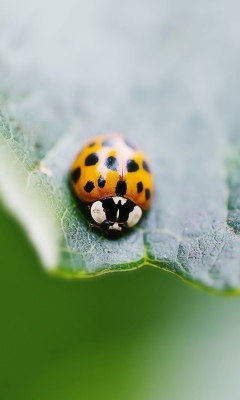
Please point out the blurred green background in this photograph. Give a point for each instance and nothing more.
(143, 335)
(138, 335)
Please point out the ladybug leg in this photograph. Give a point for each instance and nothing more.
(95, 226)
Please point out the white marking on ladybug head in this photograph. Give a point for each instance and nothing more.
(115, 227)
(134, 216)
(97, 212)
(116, 200)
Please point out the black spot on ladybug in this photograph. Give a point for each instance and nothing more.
(89, 187)
(92, 159)
(112, 163)
(132, 166)
(101, 182)
(125, 210)
(129, 144)
(145, 166)
(139, 187)
(147, 194)
(109, 142)
(92, 144)
(76, 174)
(110, 208)
(121, 188)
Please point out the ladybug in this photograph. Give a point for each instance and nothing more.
(113, 177)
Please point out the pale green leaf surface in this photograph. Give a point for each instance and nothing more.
(192, 228)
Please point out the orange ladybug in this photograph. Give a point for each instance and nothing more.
(114, 178)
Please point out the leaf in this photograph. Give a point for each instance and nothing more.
(192, 229)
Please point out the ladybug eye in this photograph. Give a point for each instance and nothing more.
(134, 216)
(106, 224)
(124, 227)
(97, 212)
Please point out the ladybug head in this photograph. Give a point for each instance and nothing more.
(115, 213)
